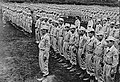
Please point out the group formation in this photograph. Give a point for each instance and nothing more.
(93, 48)
(19, 15)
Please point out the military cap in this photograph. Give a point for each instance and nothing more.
(67, 25)
(44, 27)
(110, 38)
(72, 26)
(100, 33)
(82, 28)
(104, 18)
(61, 19)
(90, 30)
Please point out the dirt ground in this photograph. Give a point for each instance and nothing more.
(18, 55)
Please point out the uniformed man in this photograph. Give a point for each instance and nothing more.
(89, 51)
(110, 60)
(98, 26)
(55, 30)
(72, 47)
(66, 38)
(77, 22)
(44, 47)
(111, 29)
(98, 56)
(82, 39)
(90, 23)
(60, 37)
(60, 40)
(37, 26)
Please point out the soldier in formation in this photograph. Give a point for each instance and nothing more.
(94, 47)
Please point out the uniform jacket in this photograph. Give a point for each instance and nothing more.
(111, 56)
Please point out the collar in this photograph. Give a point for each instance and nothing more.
(44, 36)
(111, 48)
(92, 38)
(99, 42)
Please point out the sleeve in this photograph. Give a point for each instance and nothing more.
(115, 59)
(36, 24)
(47, 43)
(41, 45)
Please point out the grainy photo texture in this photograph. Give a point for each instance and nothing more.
(59, 41)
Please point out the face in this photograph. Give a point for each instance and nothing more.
(117, 26)
(50, 21)
(43, 31)
(90, 34)
(61, 22)
(110, 43)
(104, 21)
(112, 25)
(81, 32)
(73, 30)
(67, 28)
(99, 37)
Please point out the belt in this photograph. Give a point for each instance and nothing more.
(108, 63)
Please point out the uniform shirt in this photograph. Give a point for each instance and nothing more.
(110, 31)
(105, 27)
(82, 41)
(73, 38)
(100, 46)
(90, 23)
(77, 23)
(45, 42)
(61, 31)
(98, 28)
(111, 56)
(66, 36)
(116, 33)
(37, 23)
(90, 45)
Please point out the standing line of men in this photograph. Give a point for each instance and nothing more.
(20, 16)
(87, 48)
(94, 48)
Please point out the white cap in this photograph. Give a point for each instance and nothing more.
(110, 38)
(61, 19)
(82, 28)
(105, 18)
(98, 20)
(43, 22)
(45, 27)
(55, 21)
(73, 26)
(67, 24)
(90, 30)
(112, 22)
(100, 33)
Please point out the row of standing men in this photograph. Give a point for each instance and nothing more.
(93, 49)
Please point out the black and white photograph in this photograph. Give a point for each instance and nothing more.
(59, 40)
